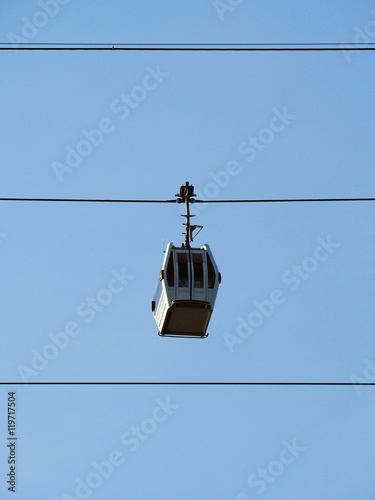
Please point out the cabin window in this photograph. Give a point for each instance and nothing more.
(183, 275)
(198, 270)
(170, 271)
(210, 273)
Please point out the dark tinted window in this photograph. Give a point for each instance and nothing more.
(198, 270)
(170, 271)
(182, 270)
(210, 272)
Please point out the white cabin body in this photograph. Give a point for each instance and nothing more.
(186, 292)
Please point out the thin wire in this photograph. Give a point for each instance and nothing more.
(197, 383)
(193, 48)
(285, 200)
(92, 200)
(276, 44)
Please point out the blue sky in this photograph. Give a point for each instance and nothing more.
(296, 299)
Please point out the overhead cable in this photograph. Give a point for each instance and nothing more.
(101, 200)
(200, 383)
(245, 47)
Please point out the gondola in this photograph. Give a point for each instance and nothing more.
(187, 285)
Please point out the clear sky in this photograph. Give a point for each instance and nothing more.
(296, 299)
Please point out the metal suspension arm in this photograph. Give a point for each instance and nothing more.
(186, 195)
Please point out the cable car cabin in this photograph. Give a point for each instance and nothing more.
(186, 291)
